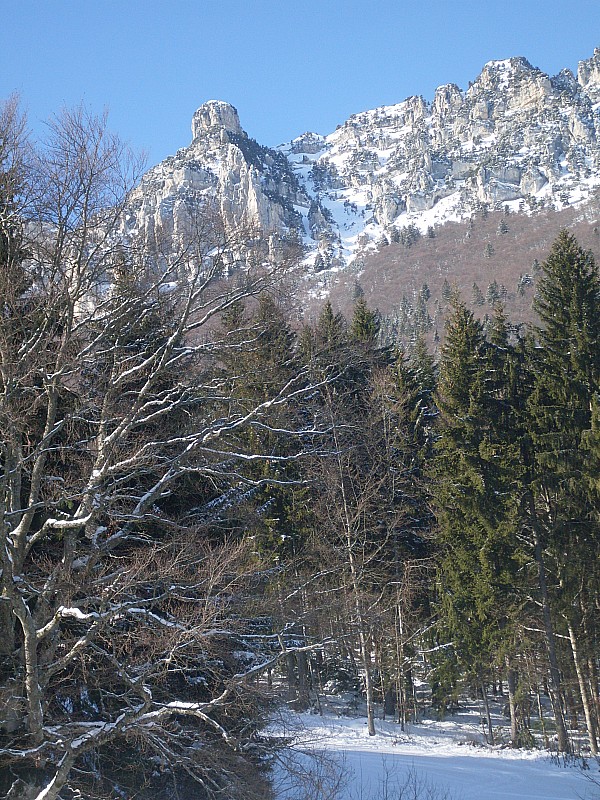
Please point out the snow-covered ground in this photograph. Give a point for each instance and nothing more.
(430, 761)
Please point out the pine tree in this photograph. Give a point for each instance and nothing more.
(365, 323)
(566, 370)
(476, 488)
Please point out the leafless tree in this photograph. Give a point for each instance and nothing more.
(364, 519)
(124, 645)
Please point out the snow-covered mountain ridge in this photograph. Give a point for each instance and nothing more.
(515, 137)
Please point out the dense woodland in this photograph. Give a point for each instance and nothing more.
(210, 510)
(493, 256)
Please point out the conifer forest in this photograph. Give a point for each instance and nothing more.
(212, 506)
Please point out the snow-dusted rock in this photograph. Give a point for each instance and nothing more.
(588, 75)
(215, 117)
(515, 133)
(222, 168)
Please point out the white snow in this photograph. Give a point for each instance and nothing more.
(447, 758)
(76, 613)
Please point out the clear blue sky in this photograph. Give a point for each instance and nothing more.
(287, 65)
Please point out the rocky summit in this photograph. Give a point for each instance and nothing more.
(515, 137)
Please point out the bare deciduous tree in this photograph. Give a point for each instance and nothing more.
(123, 647)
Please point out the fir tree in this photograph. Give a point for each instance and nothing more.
(566, 373)
(475, 472)
(477, 295)
(264, 361)
(331, 328)
(365, 323)
(446, 291)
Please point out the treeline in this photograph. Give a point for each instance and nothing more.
(443, 520)
(202, 503)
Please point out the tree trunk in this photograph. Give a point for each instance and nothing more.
(586, 700)
(511, 681)
(401, 690)
(555, 679)
(490, 734)
(7, 629)
(291, 676)
(35, 715)
(389, 700)
(364, 644)
(302, 702)
(594, 685)
(541, 716)
(369, 692)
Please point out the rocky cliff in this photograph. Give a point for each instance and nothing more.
(515, 137)
(222, 169)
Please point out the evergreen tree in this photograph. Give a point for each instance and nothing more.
(567, 360)
(331, 328)
(476, 485)
(365, 323)
(566, 373)
(260, 360)
(422, 366)
(477, 295)
(446, 291)
(492, 294)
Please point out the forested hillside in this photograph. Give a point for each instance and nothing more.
(209, 510)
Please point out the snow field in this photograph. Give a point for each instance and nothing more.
(430, 761)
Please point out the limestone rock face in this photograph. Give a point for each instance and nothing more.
(222, 171)
(588, 75)
(515, 135)
(215, 117)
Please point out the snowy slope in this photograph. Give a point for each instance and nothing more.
(515, 137)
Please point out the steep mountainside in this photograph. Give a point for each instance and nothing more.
(494, 256)
(249, 184)
(515, 137)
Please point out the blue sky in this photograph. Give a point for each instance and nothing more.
(287, 65)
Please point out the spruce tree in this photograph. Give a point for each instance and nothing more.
(476, 485)
(566, 373)
(262, 361)
(365, 323)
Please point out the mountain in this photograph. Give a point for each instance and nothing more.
(249, 184)
(515, 138)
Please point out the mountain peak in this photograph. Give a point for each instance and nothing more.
(515, 137)
(514, 64)
(215, 116)
(500, 74)
(588, 75)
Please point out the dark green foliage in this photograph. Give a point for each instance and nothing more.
(365, 323)
(563, 407)
(274, 512)
(566, 362)
(331, 328)
(492, 294)
(475, 475)
(477, 297)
